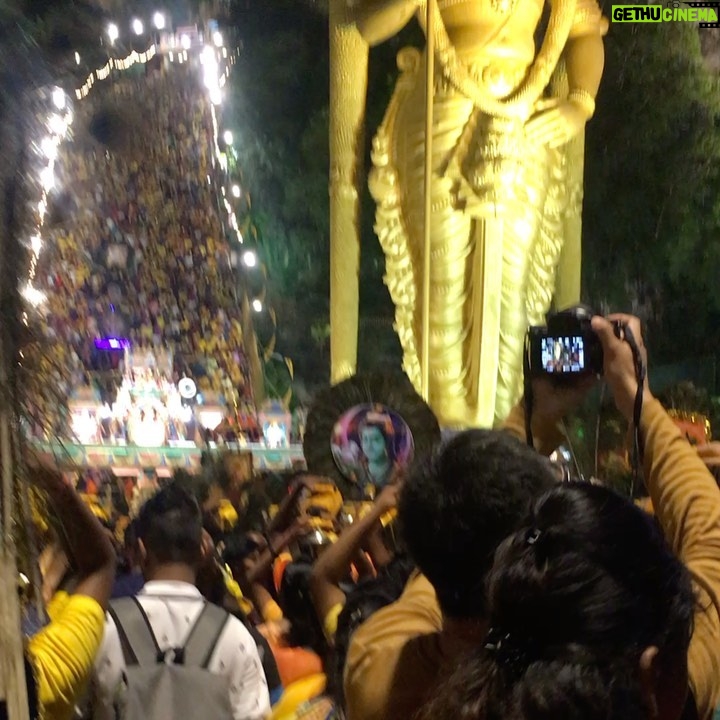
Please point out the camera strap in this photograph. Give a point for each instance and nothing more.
(528, 393)
(625, 333)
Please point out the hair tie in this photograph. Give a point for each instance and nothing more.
(533, 536)
(507, 652)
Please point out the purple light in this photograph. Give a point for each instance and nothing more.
(112, 343)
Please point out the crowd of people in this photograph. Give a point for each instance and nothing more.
(477, 584)
(142, 254)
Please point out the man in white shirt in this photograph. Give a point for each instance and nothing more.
(170, 543)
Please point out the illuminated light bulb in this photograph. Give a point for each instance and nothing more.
(56, 124)
(34, 296)
(249, 258)
(49, 148)
(228, 137)
(216, 96)
(47, 178)
(137, 26)
(77, 58)
(113, 32)
(236, 191)
(171, 56)
(257, 305)
(36, 244)
(180, 59)
(159, 20)
(217, 39)
(224, 52)
(185, 42)
(58, 98)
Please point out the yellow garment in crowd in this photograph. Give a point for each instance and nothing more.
(330, 623)
(62, 653)
(227, 515)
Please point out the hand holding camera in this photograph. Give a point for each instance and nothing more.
(564, 357)
(619, 361)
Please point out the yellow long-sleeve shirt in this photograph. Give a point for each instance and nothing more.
(62, 653)
(396, 657)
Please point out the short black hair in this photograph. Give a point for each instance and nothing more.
(170, 526)
(459, 504)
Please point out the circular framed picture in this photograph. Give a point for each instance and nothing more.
(370, 443)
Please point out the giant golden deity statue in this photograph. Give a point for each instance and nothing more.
(505, 189)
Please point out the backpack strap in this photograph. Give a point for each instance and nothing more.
(204, 636)
(136, 636)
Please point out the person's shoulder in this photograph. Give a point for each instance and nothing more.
(415, 613)
(236, 634)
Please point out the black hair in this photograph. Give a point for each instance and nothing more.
(361, 603)
(130, 536)
(238, 546)
(170, 526)
(460, 503)
(575, 598)
(197, 485)
(296, 603)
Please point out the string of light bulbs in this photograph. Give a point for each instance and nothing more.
(58, 124)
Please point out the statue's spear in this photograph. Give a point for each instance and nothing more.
(429, 107)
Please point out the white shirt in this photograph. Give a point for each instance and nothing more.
(172, 609)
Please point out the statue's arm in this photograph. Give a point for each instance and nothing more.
(379, 20)
(585, 54)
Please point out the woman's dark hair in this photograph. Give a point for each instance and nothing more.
(575, 597)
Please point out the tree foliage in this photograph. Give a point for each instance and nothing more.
(652, 176)
(279, 107)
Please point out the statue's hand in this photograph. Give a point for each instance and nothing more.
(556, 122)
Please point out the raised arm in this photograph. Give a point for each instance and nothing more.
(686, 501)
(87, 543)
(333, 565)
(62, 653)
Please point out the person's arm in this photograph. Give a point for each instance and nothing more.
(551, 403)
(332, 566)
(686, 501)
(87, 542)
(276, 544)
(288, 509)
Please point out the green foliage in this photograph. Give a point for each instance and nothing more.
(652, 206)
(279, 110)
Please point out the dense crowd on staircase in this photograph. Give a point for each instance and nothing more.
(142, 254)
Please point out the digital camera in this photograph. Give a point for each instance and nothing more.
(566, 347)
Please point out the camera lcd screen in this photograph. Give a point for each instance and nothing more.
(563, 354)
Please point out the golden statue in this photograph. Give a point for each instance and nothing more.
(506, 184)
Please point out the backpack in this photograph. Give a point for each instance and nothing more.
(162, 685)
